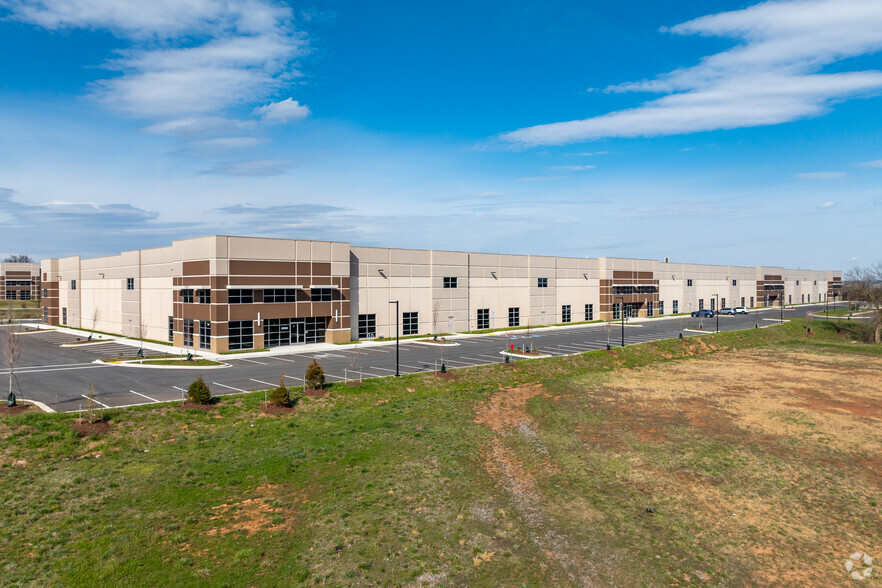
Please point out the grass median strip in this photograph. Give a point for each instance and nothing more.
(180, 362)
(738, 458)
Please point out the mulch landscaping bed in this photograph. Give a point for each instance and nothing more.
(276, 409)
(17, 409)
(354, 383)
(446, 375)
(315, 393)
(86, 429)
(195, 406)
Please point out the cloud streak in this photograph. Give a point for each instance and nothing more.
(771, 77)
(252, 168)
(191, 61)
(573, 167)
(831, 175)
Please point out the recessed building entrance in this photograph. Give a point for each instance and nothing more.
(294, 331)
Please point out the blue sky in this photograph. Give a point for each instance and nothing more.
(728, 132)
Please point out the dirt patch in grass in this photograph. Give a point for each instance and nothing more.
(269, 509)
(87, 429)
(505, 414)
(445, 375)
(315, 393)
(195, 406)
(776, 451)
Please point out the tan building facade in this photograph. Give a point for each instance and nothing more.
(20, 281)
(223, 293)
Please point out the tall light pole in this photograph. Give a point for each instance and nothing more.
(717, 313)
(395, 302)
(622, 314)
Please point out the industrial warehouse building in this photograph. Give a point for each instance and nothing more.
(19, 281)
(223, 293)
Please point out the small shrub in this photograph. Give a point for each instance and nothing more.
(94, 414)
(315, 375)
(279, 395)
(199, 392)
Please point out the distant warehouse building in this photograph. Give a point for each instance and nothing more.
(19, 281)
(223, 293)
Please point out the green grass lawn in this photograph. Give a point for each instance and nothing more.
(406, 480)
(20, 309)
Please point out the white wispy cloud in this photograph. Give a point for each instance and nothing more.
(827, 204)
(282, 112)
(540, 178)
(573, 167)
(189, 60)
(770, 77)
(829, 175)
(202, 126)
(229, 142)
(595, 153)
(876, 163)
(253, 168)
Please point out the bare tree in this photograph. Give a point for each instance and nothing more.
(142, 332)
(864, 284)
(355, 365)
(21, 258)
(436, 311)
(96, 314)
(11, 352)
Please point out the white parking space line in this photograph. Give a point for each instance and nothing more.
(262, 382)
(363, 374)
(59, 369)
(230, 387)
(335, 377)
(496, 357)
(250, 360)
(481, 362)
(280, 358)
(181, 389)
(412, 367)
(580, 345)
(53, 365)
(292, 377)
(143, 396)
(571, 348)
(96, 401)
(373, 367)
(372, 350)
(324, 355)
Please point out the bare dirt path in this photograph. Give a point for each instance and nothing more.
(505, 414)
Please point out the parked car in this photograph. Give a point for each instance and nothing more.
(703, 313)
(727, 310)
(740, 310)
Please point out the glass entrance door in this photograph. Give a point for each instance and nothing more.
(298, 331)
(277, 332)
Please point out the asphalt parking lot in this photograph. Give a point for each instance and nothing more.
(61, 377)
